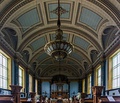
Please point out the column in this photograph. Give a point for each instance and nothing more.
(50, 89)
(103, 73)
(80, 86)
(86, 84)
(69, 88)
(92, 77)
(27, 82)
(34, 86)
(39, 87)
(15, 70)
(16, 92)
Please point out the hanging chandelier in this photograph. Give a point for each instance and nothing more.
(58, 49)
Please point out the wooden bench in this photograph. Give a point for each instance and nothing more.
(104, 99)
(6, 99)
(88, 101)
(24, 100)
(97, 98)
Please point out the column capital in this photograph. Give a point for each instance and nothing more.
(16, 92)
(15, 88)
(97, 90)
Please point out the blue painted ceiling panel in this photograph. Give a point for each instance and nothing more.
(76, 56)
(90, 18)
(42, 57)
(64, 15)
(81, 43)
(38, 43)
(29, 19)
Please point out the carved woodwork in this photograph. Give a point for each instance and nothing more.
(16, 92)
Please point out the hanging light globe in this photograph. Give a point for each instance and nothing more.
(58, 49)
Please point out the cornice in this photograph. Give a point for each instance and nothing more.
(6, 46)
(10, 10)
(115, 15)
(115, 43)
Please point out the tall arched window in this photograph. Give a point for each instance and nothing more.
(30, 83)
(5, 70)
(114, 70)
(89, 84)
(98, 76)
(21, 77)
(83, 85)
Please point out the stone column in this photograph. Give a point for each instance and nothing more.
(80, 86)
(103, 72)
(86, 84)
(50, 89)
(97, 90)
(16, 92)
(69, 88)
(16, 71)
(32, 94)
(34, 86)
(39, 87)
(27, 82)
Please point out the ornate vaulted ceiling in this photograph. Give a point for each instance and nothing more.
(90, 25)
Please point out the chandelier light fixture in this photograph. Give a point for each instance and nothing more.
(58, 49)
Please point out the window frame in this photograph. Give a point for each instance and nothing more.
(83, 85)
(23, 76)
(110, 70)
(36, 86)
(8, 80)
(30, 83)
(98, 76)
(89, 83)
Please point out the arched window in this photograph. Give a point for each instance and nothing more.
(89, 84)
(21, 77)
(5, 70)
(83, 85)
(30, 83)
(114, 70)
(98, 76)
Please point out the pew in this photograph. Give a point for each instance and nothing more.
(6, 99)
(97, 98)
(25, 100)
(14, 97)
(104, 99)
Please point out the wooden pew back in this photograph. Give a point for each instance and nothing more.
(104, 99)
(6, 99)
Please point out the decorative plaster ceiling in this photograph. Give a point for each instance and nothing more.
(27, 25)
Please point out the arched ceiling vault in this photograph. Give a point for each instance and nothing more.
(27, 25)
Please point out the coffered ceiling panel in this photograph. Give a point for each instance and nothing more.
(74, 64)
(41, 57)
(38, 43)
(76, 56)
(46, 63)
(53, 11)
(82, 43)
(90, 18)
(29, 19)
